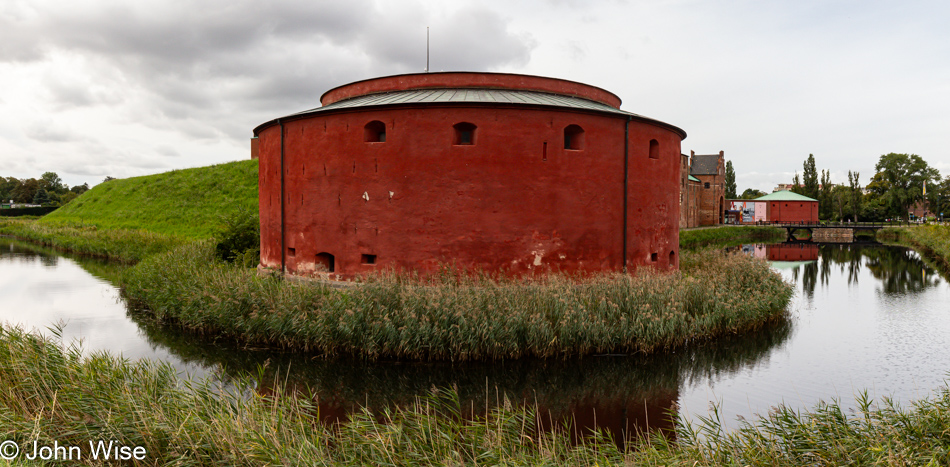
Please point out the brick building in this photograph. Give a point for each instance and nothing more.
(708, 191)
(487, 171)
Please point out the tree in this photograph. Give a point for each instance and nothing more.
(905, 175)
(856, 195)
(797, 184)
(41, 197)
(730, 181)
(751, 193)
(80, 189)
(25, 191)
(108, 177)
(51, 182)
(810, 178)
(8, 186)
(825, 208)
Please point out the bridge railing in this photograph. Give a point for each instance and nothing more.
(827, 224)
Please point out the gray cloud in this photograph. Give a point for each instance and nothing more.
(48, 132)
(218, 69)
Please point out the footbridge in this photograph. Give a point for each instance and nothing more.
(835, 232)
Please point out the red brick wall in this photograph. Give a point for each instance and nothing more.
(793, 211)
(516, 200)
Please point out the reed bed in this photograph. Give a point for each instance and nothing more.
(124, 245)
(50, 394)
(460, 317)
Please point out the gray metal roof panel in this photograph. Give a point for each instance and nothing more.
(446, 95)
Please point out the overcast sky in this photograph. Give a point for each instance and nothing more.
(92, 88)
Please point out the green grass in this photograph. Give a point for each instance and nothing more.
(50, 393)
(457, 317)
(123, 245)
(187, 203)
(694, 238)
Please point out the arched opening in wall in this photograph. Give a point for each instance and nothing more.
(374, 132)
(464, 134)
(672, 258)
(324, 262)
(654, 149)
(573, 137)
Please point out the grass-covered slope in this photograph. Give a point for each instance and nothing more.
(188, 203)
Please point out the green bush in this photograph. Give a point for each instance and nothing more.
(241, 239)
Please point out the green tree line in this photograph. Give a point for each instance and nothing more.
(48, 190)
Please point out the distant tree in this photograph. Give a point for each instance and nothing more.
(7, 186)
(824, 196)
(67, 197)
(25, 191)
(905, 175)
(51, 182)
(943, 198)
(80, 189)
(751, 193)
(41, 197)
(797, 185)
(730, 181)
(810, 178)
(856, 195)
(108, 177)
(840, 207)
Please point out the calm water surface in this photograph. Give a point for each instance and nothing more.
(865, 317)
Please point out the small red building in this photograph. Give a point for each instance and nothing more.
(489, 171)
(787, 206)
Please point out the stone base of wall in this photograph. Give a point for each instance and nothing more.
(833, 235)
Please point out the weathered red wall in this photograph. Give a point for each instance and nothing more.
(503, 203)
(793, 211)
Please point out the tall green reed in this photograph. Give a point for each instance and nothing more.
(460, 317)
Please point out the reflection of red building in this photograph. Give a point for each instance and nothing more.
(483, 170)
(786, 206)
(792, 252)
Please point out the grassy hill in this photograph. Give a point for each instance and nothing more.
(188, 203)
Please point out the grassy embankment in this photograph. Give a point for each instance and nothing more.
(50, 393)
(728, 235)
(933, 241)
(134, 218)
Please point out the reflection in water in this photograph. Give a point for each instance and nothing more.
(622, 393)
(900, 270)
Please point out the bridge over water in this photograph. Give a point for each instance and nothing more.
(834, 232)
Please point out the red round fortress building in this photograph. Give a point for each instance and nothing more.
(487, 171)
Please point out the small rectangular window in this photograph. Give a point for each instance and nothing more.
(368, 259)
(654, 257)
(291, 252)
(706, 185)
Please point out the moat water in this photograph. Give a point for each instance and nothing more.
(867, 317)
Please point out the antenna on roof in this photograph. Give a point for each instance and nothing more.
(427, 49)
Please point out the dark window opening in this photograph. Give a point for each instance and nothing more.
(573, 137)
(368, 259)
(291, 252)
(672, 258)
(706, 185)
(464, 134)
(374, 132)
(654, 257)
(324, 262)
(655, 150)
